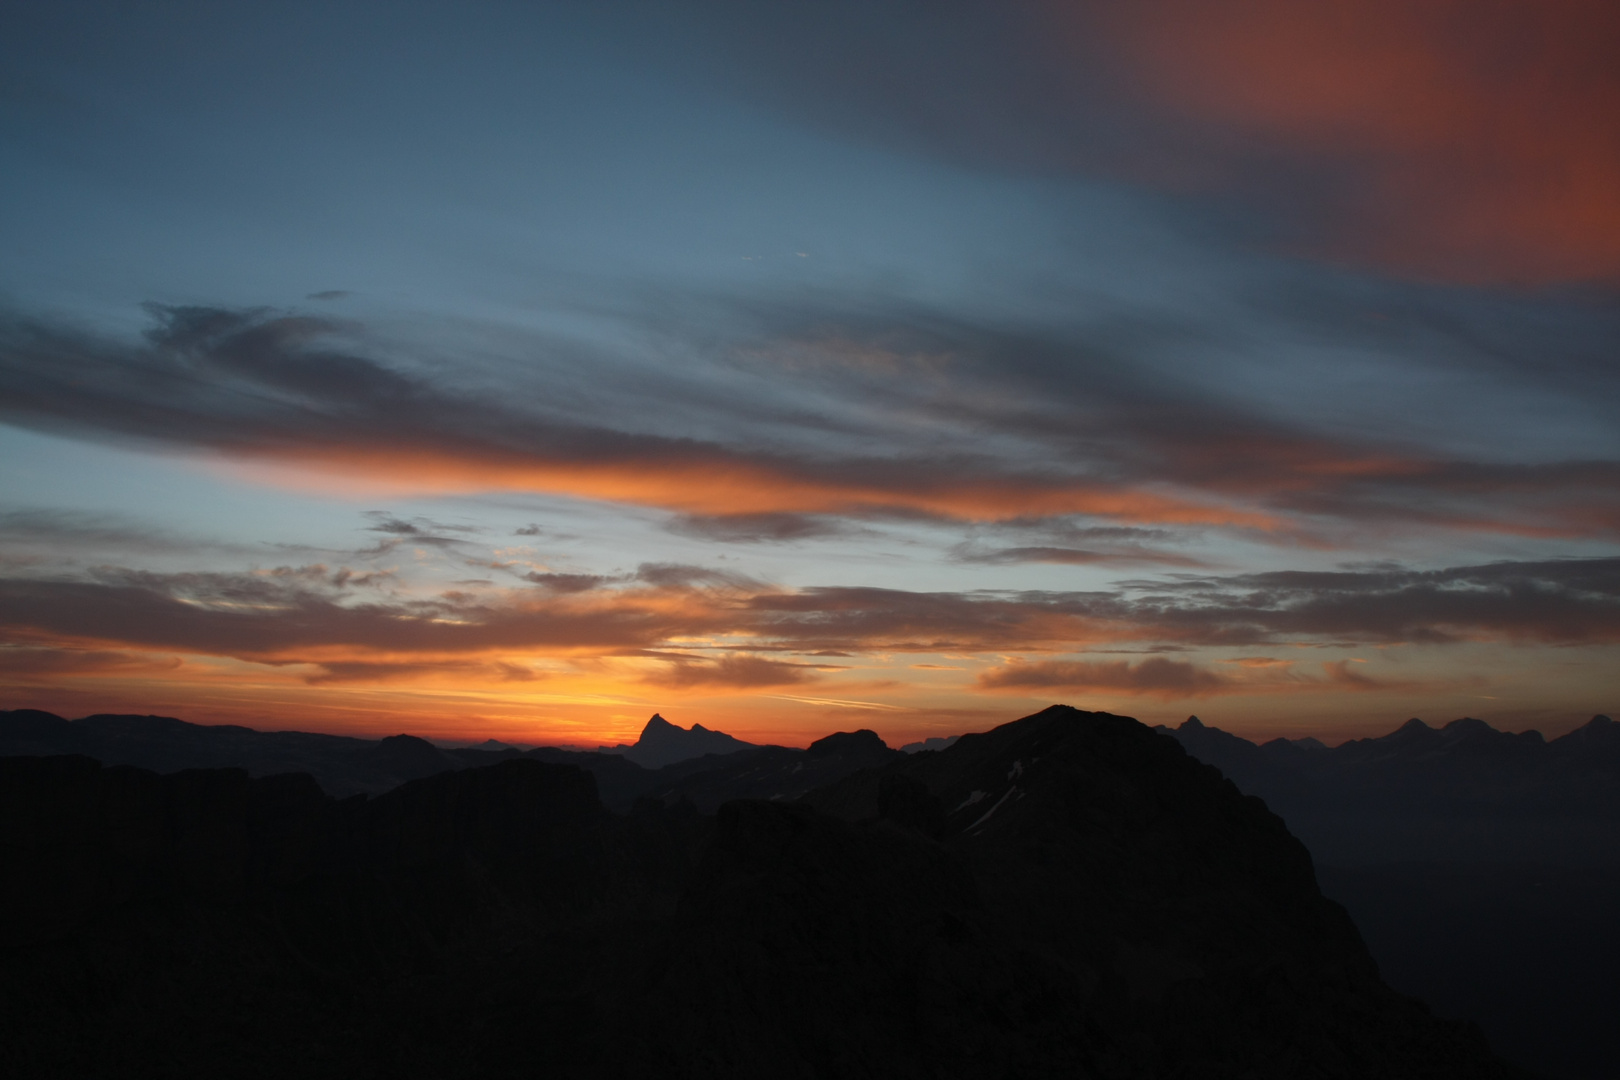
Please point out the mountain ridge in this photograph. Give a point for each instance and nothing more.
(1070, 892)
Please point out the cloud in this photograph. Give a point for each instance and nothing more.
(1073, 556)
(291, 390)
(739, 672)
(77, 530)
(684, 575)
(753, 528)
(1432, 137)
(35, 662)
(1435, 137)
(372, 671)
(1565, 601)
(1034, 423)
(1176, 679)
(1156, 677)
(286, 614)
(567, 583)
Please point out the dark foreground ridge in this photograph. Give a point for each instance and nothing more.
(1069, 894)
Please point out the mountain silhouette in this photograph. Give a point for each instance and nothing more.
(1464, 792)
(1069, 894)
(1483, 867)
(663, 743)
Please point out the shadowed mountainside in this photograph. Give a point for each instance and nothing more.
(1482, 867)
(1070, 893)
(1462, 793)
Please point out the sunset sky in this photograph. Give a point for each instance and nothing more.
(519, 370)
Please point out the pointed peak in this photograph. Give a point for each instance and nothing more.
(1414, 724)
(1192, 723)
(657, 723)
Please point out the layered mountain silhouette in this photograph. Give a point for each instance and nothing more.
(1483, 868)
(1461, 793)
(1069, 894)
(709, 767)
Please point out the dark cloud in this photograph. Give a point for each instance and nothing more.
(1565, 601)
(1036, 422)
(567, 583)
(1073, 556)
(735, 672)
(684, 575)
(368, 671)
(1156, 676)
(330, 294)
(1175, 679)
(282, 613)
(1477, 152)
(417, 531)
(32, 661)
(77, 531)
(254, 618)
(753, 528)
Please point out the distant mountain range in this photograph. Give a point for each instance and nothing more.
(667, 762)
(1069, 894)
(1462, 793)
(1438, 840)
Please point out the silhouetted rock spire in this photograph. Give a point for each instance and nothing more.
(663, 743)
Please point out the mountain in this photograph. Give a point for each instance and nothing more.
(724, 768)
(663, 743)
(1461, 793)
(1483, 868)
(342, 765)
(1069, 894)
(773, 772)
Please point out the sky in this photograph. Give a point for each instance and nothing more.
(519, 370)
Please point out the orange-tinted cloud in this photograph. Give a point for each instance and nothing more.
(700, 480)
(1466, 141)
(316, 616)
(740, 672)
(1065, 434)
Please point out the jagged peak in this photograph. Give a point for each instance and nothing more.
(1192, 723)
(658, 723)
